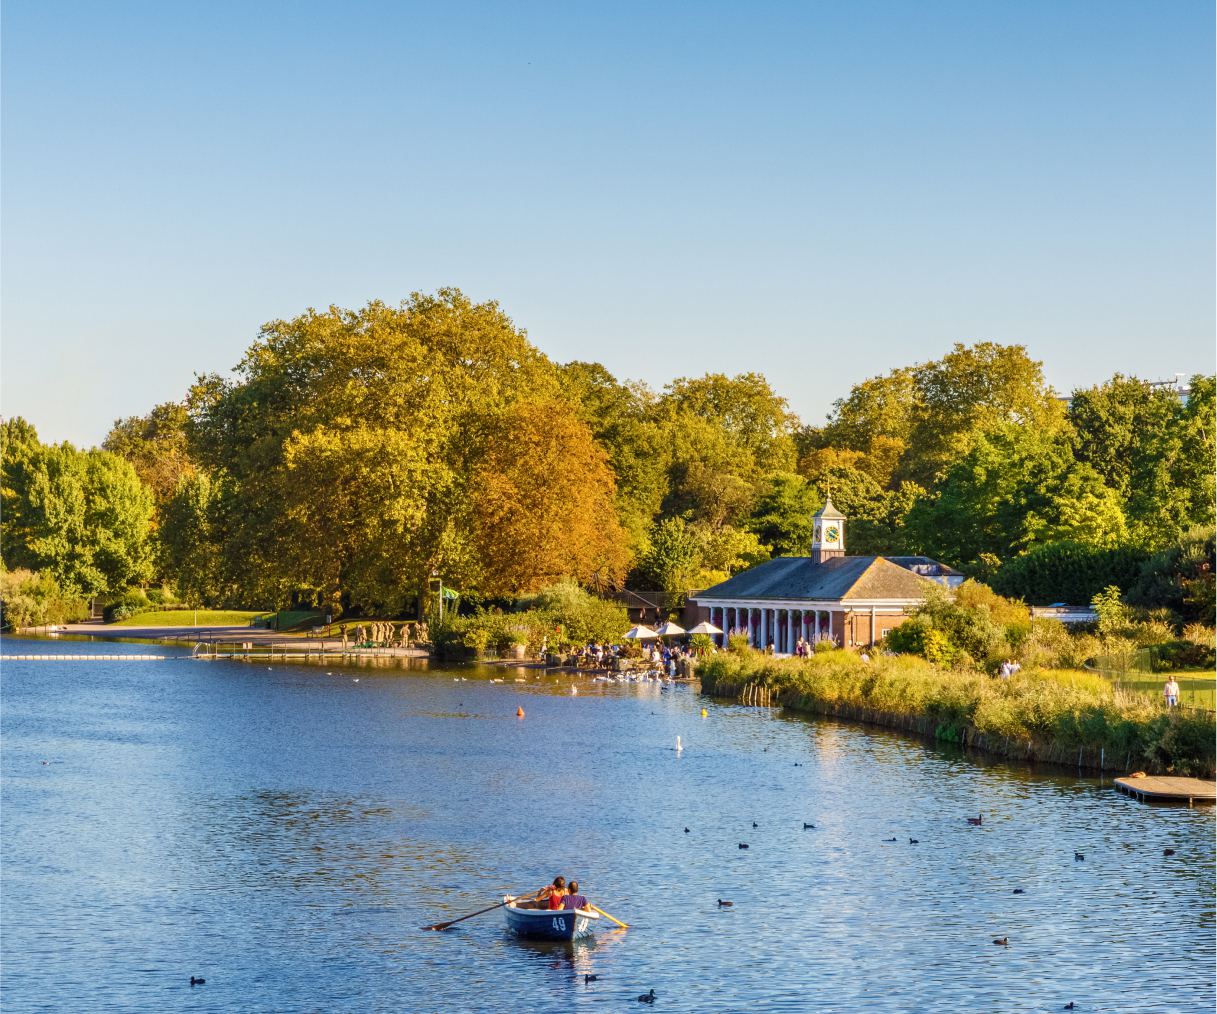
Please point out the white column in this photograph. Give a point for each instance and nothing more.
(762, 635)
(817, 625)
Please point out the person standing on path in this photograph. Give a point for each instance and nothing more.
(1170, 693)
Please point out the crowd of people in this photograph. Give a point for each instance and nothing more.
(664, 657)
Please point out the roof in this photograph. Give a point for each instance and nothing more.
(828, 512)
(841, 577)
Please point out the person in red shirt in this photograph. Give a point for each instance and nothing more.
(549, 897)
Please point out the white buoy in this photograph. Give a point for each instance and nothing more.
(679, 748)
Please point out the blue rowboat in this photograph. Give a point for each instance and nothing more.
(540, 924)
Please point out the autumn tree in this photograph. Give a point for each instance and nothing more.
(542, 503)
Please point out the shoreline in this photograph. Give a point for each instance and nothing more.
(1136, 752)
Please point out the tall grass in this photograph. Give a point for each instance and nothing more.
(1053, 709)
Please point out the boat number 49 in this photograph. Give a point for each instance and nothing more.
(558, 925)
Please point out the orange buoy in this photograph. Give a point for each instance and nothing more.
(519, 712)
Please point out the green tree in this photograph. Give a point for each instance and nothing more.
(782, 518)
(83, 517)
(1067, 572)
(1155, 453)
(156, 446)
(350, 441)
(1017, 485)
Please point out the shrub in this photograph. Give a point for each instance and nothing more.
(1067, 572)
(29, 599)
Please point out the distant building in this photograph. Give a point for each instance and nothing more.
(825, 596)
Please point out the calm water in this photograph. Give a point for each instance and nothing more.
(285, 832)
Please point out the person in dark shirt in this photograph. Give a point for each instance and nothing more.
(573, 899)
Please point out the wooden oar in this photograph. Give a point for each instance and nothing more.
(596, 908)
(453, 922)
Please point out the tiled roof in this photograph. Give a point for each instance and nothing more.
(841, 577)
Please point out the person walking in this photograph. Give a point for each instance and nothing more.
(1170, 693)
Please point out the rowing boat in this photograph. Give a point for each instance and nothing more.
(541, 924)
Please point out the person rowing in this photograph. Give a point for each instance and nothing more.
(548, 897)
(573, 900)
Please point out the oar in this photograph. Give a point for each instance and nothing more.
(595, 908)
(453, 922)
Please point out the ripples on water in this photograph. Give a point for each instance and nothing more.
(285, 833)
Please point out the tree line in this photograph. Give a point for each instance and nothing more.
(352, 455)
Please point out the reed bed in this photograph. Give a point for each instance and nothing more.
(1059, 716)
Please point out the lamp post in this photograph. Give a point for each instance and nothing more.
(436, 584)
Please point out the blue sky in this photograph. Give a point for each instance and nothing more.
(819, 191)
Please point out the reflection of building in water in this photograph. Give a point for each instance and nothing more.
(827, 596)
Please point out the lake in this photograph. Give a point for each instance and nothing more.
(284, 832)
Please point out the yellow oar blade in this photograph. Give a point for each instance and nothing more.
(597, 908)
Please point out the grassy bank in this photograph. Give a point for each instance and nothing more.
(1058, 716)
(187, 618)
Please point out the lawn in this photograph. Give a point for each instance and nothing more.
(188, 618)
(1196, 689)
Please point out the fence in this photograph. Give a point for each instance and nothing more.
(1139, 672)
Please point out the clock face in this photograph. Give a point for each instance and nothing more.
(832, 534)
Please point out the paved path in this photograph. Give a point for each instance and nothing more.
(229, 635)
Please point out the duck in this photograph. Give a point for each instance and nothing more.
(590, 978)
(1002, 941)
(1070, 1005)
(808, 827)
(1018, 890)
(889, 839)
(1078, 857)
(755, 824)
(725, 904)
(743, 845)
(977, 820)
(1165, 852)
(647, 997)
(197, 981)
(797, 764)
(914, 841)
(686, 830)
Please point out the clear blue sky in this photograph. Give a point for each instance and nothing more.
(820, 191)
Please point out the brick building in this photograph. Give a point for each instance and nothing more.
(852, 600)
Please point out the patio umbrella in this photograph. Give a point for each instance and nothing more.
(640, 633)
(705, 628)
(670, 629)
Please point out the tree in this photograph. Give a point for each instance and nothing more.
(782, 518)
(156, 446)
(1018, 485)
(542, 501)
(673, 560)
(84, 517)
(351, 441)
(970, 390)
(1067, 572)
(1152, 450)
(620, 417)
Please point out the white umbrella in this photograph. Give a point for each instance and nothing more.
(640, 633)
(705, 628)
(670, 629)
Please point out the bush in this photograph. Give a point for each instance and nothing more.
(29, 599)
(125, 604)
(1067, 572)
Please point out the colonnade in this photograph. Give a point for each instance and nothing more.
(781, 627)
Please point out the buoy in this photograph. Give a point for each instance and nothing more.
(679, 748)
(519, 712)
(704, 713)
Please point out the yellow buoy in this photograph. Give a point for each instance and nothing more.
(704, 713)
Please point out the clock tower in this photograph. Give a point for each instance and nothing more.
(829, 538)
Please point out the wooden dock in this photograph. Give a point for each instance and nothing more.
(1166, 789)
